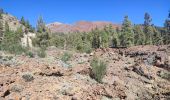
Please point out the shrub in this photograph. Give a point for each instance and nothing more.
(17, 88)
(11, 41)
(84, 48)
(66, 56)
(57, 41)
(164, 74)
(28, 77)
(42, 53)
(98, 69)
(13, 48)
(30, 54)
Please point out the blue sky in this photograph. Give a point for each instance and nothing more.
(70, 11)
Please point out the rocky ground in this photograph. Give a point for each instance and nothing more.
(136, 73)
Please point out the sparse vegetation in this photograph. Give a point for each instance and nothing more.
(42, 34)
(98, 69)
(41, 53)
(1, 24)
(11, 41)
(164, 74)
(17, 88)
(28, 77)
(120, 72)
(127, 34)
(66, 57)
(139, 35)
(30, 54)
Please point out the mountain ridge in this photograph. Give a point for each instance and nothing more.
(79, 26)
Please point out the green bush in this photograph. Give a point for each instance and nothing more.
(57, 40)
(98, 69)
(13, 48)
(12, 41)
(28, 77)
(41, 53)
(30, 54)
(66, 56)
(164, 74)
(82, 47)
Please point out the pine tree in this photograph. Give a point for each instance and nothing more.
(110, 36)
(104, 39)
(7, 36)
(42, 35)
(127, 34)
(167, 30)
(22, 21)
(114, 37)
(12, 40)
(1, 24)
(96, 41)
(6, 27)
(139, 36)
(41, 25)
(105, 36)
(157, 39)
(148, 29)
(149, 35)
(27, 25)
(19, 32)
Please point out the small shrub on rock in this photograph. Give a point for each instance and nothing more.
(164, 74)
(98, 69)
(30, 54)
(17, 88)
(66, 57)
(41, 53)
(28, 77)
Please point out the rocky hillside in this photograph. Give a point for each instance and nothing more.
(136, 73)
(81, 26)
(14, 24)
(12, 21)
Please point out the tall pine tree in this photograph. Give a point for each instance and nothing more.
(148, 29)
(1, 24)
(22, 21)
(41, 25)
(42, 35)
(96, 41)
(127, 34)
(157, 38)
(139, 35)
(106, 36)
(167, 30)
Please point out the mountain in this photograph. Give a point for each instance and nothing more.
(81, 26)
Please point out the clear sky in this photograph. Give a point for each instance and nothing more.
(70, 11)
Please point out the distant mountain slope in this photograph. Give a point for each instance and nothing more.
(81, 26)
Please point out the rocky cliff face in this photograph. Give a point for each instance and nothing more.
(81, 26)
(14, 24)
(12, 21)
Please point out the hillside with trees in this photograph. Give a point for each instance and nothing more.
(87, 61)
